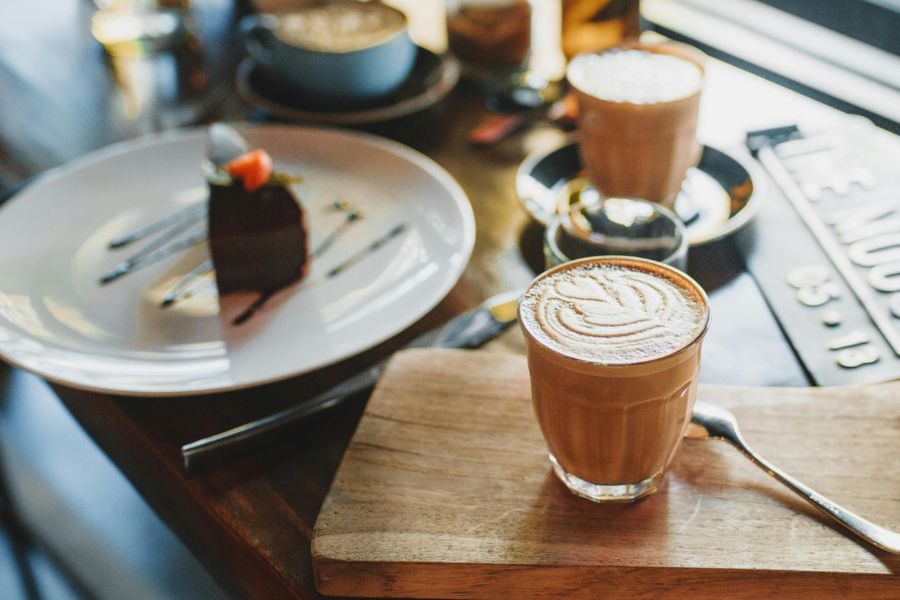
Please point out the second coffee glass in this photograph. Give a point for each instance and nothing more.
(638, 107)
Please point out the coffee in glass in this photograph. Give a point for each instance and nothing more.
(613, 353)
(638, 106)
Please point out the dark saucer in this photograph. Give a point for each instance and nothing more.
(432, 78)
(719, 196)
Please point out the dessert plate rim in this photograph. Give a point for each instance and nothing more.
(59, 361)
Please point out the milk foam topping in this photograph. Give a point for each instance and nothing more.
(635, 76)
(340, 27)
(612, 314)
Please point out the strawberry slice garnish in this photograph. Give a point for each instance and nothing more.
(253, 168)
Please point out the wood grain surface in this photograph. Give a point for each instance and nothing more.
(445, 491)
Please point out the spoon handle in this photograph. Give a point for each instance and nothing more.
(877, 535)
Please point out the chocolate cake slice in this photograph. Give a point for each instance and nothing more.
(257, 228)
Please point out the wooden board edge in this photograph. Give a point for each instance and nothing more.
(475, 581)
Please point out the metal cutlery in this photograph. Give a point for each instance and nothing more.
(712, 421)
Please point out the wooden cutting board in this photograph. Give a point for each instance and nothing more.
(446, 491)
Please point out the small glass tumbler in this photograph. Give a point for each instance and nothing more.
(617, 226)
(637, 119)
(613, 347)
(492, 38)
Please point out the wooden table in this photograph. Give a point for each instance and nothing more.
(250, 521)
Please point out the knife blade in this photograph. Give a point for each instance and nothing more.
(468, 330)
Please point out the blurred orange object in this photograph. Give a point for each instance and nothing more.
(594, 25)
(253, 168)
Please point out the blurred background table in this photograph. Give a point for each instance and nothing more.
(250, 522)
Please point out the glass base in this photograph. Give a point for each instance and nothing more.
(595, 492)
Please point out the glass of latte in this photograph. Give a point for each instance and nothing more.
(613, 354)
(638, 106)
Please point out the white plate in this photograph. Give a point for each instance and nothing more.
(57, 321)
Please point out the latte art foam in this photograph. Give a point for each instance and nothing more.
(612, 314)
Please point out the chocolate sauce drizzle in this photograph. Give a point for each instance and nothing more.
(181, 220)
(189, 214)
(181, 289)
(372, 247)
(253, 308)
(155, 252)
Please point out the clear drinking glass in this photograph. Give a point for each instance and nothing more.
(490, 37)
(613, 354)
(638, 106)
(620, 226)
